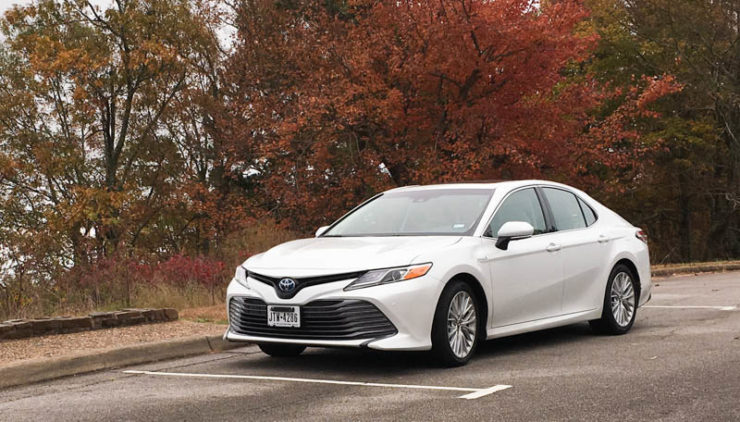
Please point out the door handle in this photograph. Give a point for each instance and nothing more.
(603, 238)
(552, 247)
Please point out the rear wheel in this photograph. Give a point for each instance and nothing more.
(456, 321)
(620, 303)
(281, 350)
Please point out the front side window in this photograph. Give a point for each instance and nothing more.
(521, 205)
(565, 209)
(416, 213)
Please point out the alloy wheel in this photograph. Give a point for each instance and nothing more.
(461, 324)
(622, 299)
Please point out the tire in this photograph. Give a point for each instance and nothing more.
(278, 350)
(616, 319)
(442, 346)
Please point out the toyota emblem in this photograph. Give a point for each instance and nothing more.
(287, 285)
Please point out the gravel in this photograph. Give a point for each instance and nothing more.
(69, 344)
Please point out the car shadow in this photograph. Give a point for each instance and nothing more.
(335, 362)
(536, 340)
(340, 361)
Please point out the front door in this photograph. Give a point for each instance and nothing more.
(527, 277)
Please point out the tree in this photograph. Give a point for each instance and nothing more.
(90, 163)
(689, 197)
(346, 98)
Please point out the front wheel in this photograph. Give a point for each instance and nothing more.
(455, 328)
(281, 350)
(620, 303)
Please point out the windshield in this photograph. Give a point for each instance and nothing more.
(416, 213)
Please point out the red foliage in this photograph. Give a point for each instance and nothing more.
(342, 104)
(180, 269)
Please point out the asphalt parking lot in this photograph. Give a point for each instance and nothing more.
(681, 361)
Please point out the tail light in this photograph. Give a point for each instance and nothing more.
(640, 234)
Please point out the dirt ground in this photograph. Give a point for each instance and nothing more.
(66, 344)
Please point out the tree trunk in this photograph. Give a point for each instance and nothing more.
(684, 235)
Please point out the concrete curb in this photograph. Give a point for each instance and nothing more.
(36, 370)
(696, 268)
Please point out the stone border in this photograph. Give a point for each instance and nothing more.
(24, 328)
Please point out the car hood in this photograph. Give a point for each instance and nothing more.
(326, 255)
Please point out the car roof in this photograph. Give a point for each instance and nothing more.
(508, 184)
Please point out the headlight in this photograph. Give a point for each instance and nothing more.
(389, 275)
(241, 276)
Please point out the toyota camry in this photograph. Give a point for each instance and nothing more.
(443, 268)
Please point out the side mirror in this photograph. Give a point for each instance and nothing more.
(321, 230)
(513, 230)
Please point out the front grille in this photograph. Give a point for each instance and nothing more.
(320, 320)
(301, 282)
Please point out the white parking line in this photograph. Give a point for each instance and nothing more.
(720, 308)
(484, 392)
(472, 393)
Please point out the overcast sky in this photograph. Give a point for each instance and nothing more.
(224, 33)
(7, 4)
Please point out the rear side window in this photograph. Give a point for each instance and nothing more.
(565, 209)
(522, 205)
(588, 212)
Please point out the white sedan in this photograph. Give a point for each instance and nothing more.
(443, 268)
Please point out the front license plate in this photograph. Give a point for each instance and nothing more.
(283, 316)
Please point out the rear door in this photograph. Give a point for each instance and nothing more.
(527, 277)
(583, 250)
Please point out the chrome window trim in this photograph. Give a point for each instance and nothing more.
(495, 210)
(534, 186)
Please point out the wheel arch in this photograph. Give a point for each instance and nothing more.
(477, 287)
(632, 267)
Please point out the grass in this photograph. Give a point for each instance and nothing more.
(695, 267)
(197, 302)
(697, 264)
(210, 314)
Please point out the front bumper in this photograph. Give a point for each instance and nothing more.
(408, 305)
(320, 320)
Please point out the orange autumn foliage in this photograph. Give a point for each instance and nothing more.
(341, 102)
